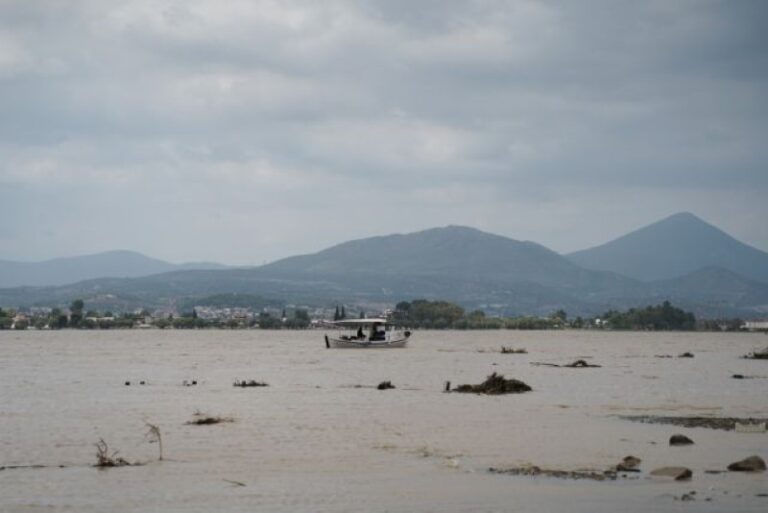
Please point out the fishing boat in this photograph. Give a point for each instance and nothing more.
(367, 333)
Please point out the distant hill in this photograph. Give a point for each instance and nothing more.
(113, 264)
(673, 247)
(714, 288)
(711, 292)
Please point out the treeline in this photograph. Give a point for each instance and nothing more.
(445, 315)
(663, 317)
(439, 315)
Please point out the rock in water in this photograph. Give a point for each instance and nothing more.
(676, 473)
(751, 464)
(680, 440)
(629, 464)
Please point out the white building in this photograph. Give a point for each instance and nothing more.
(755, 326)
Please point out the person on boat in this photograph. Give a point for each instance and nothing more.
(376, 334)
(360, 334)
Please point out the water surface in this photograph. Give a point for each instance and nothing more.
(314, 441)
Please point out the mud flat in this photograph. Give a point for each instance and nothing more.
(313, 441)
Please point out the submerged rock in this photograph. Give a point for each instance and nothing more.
(495, 384)
(676, 473)
(680, 440)
(751, 464)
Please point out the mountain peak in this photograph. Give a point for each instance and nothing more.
(674, 246)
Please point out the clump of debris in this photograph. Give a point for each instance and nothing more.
(533, 470)
(512, 350)
(251, 383)
(495, 384)
(201, 419)
(105, 459)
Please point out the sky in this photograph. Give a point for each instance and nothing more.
(246, 131)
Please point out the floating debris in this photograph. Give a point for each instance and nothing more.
(207, 420)
(251, 383)
(189, 383)
(511, 350)
(533, 470)
(629, 464)
(724, 423)
(578, 364)
(686, 354)
(495, 384)
(690, 496)
(106, 460)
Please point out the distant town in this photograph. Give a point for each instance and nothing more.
(416, 314)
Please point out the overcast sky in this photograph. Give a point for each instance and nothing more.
(246, 131)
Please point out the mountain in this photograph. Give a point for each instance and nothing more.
(455, 252)
(454, 263)
(672, 247)
(475, 269)
(60, 271)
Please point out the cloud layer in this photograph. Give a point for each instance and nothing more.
(250, 130)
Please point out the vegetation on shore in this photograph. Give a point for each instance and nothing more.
(418, 314)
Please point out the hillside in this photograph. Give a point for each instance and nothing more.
(672, 247)
(112, 264)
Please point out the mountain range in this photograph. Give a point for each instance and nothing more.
(60, 271)
(680, 258)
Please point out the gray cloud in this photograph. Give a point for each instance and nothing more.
(281, 127)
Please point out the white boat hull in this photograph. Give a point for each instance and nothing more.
(338, 343)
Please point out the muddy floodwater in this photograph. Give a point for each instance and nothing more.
(321, 437)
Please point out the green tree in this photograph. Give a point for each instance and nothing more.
(76, 313)
(300, 320)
